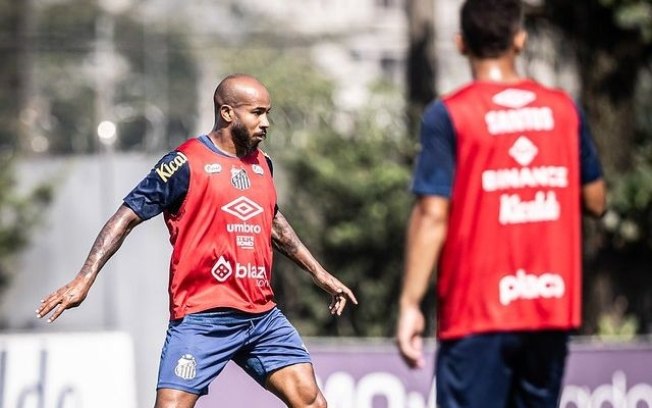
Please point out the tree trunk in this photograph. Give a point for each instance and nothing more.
(420, 60)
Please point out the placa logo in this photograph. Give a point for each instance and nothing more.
(166, 170)
(525, 286)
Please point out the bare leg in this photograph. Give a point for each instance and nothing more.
(296, 386)
(169, 398)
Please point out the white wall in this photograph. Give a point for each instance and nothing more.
(131, 292)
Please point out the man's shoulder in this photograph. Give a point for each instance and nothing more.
(549, 89)
(188, 144)
(459, 92)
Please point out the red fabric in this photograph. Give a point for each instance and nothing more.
(221, 236)
(512, 257)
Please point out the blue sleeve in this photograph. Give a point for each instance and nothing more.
(590, 167)
(163, 189)
(435, 164)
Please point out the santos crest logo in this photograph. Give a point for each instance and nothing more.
(524, 286)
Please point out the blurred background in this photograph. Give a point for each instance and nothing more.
(94, 92)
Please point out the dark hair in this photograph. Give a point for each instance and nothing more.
(489, 26)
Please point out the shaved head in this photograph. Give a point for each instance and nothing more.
(242, 105)
(236, 89)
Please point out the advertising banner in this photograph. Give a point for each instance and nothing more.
(368, 375)
(76, 370)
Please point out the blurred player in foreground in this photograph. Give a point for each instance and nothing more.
(219, 202)
(506, 167)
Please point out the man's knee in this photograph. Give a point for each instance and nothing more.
(320, 402)
(167, 398)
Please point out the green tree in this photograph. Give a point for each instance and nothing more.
(153, 86)
(20, 214)
(19, 211)
(421, 64)
(343, 186)
(613, 44)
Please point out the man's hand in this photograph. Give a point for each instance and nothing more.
(66, 297)
(409, 336)
(340, 294)
(106, 244)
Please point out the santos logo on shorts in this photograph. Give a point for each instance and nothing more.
(524, 286)
(222, 270)
(186, 367)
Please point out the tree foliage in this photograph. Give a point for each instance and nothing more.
(20, 214)
(149, 71)
(20, 211)
(343, 184)
(613, 44)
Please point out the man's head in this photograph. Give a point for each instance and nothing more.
(242, 105)
(491, 28)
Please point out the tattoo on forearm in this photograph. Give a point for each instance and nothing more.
(106, 244)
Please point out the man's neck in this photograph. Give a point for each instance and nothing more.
(501, 69)
(223, 142)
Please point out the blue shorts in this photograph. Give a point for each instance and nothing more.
(198, 347)
(501, 370)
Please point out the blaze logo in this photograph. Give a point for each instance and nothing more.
(222, 270)
(166, 170)
(524, 286)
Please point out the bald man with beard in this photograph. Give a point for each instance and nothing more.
(218, 200)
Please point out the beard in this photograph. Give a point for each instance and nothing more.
(243, 140)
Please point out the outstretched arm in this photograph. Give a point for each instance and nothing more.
(425, 237)
(106, 244)
(287, 242)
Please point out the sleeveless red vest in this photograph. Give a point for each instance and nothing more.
(512, 257)
(221, 235)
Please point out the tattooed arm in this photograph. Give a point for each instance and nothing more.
(106, 244)
(287, 242)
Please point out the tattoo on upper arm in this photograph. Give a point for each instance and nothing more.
(284, 238)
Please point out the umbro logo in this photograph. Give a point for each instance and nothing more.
(243, 208)
(514, 98)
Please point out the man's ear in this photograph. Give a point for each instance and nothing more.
(461, 44)
(520, 39)
(226, 112)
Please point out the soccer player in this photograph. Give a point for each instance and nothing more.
(506, 168)
(219, 203)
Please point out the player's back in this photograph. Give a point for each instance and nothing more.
(512, 255)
